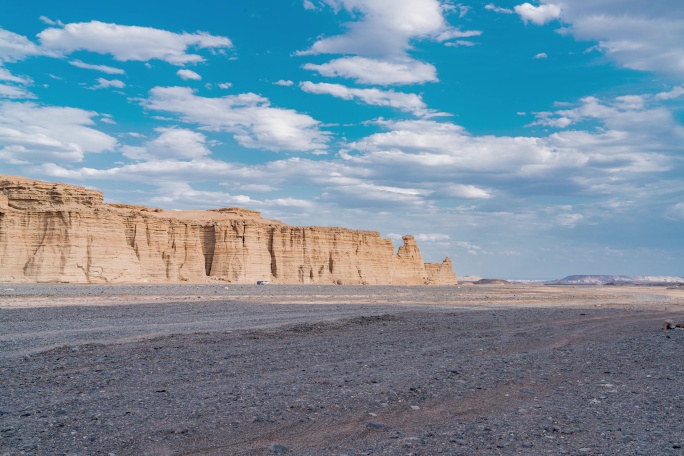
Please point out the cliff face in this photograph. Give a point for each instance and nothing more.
(59, 233)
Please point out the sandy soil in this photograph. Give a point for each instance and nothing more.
(223, 370)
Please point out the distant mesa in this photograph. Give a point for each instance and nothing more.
(52, 232)
(469, 278)
(491, 282)
(616, 280)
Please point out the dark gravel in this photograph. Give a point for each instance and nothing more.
(237, 376)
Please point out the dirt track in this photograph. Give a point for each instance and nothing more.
(340, 370)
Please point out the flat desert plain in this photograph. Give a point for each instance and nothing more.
(340, 370)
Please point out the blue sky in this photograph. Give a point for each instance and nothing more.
(523, 140)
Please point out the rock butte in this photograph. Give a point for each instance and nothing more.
(52, 232)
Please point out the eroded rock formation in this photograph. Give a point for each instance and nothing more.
(60, 233)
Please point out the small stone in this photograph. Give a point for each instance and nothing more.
(278, 449)
(527, 445)
(415, 407)
(584, 450)
(375, 425)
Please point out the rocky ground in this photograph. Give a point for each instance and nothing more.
(246, 370)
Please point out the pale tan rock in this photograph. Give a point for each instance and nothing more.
(61, 233)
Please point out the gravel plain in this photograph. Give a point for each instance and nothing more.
(340, 370)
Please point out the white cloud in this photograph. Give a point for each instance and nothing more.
(377, 44)
(465, 191)
(186, 74)
(15, 87)
(107, 118)
(455, 33)
(676, 211)
(672, 94)
(645, 36)
(32, 133)
(15, 47)
(383, 29)
(458, 43)
(102, 68)
(380, 72)
(497, 9)
(408, 102)
(472, 249)
(539, 15)
(251, 119)
(105, 84)
(284, 83)
(130, 42)
(541, 55)
(308, 5)
(225, 85)
(172, 143)
(182, 195)
(629, 144)
(432, 237)
(569, 220)
(49, 21)
(5, 75)
(14, 92)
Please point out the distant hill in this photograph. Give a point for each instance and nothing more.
(615, 279)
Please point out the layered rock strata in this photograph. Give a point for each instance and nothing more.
(60, 233)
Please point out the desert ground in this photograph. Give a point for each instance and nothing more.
(340, 370)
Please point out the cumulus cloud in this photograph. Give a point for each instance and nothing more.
(458, 43)
(284, 83)
(106, 84)
(249, 117)
(225, 85)
(408, 102)
(541, 55)
(465, 191)
(671, 94)
(676, 211)
(640, 35)
(455, 33)
(172, 143)
(14, 47)
(181, 195)
(126, 43)
(378, 42)
(5, 75)
(102, 68)
(308, 5)
(32, 133)
(14, 92)
(539, 15)
(622, 149)
(14, 87)
(383, 30)
(432, 237)
(638, 117)
(378, 72)
(472, 249)
(186, 74)
(498, 9)
(569, 220)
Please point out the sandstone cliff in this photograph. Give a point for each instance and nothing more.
(61, 233)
